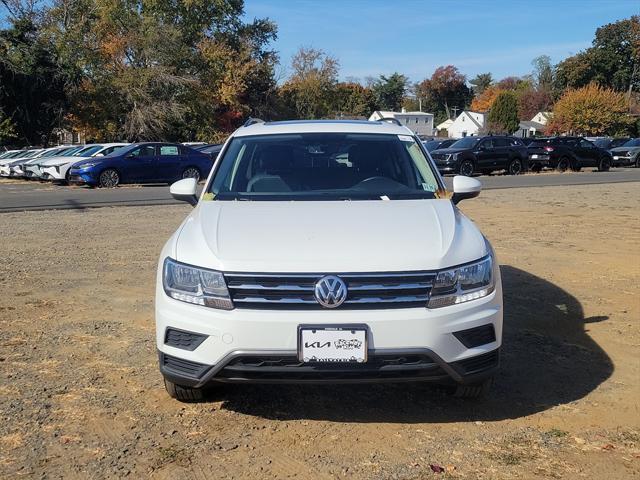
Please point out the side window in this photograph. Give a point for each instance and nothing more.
(514, 142)
(486, 144)
(586, 144)
(169, 150)
(147, 151)
(499, 142)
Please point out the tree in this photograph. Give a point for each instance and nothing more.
(445, 89)
(390, 91)
(311, 85)
(7, 129)
(486, 99)
(543, 72)
(532, 101)
(480, 83)
(612, 61)
(503, 116)
(353, 100)
(590, 110)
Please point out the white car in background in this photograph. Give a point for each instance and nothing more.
(57, 168)
(7, 165)
(18, 169)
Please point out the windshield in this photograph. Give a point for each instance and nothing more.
(325, 166)
(634, 142)
(602, 142)
(87, 152)
(466, 142)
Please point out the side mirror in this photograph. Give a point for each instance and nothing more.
(465, 187)
(185, 191)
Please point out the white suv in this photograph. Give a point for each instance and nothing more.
(327, 251)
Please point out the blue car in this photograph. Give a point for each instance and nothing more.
(142, 163)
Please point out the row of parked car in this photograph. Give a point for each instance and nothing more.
(470, 155)
(111, 164)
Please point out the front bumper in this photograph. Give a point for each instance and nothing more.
(260, 346)
(5, 170)
(51, 173)
(623, 161)
(81, 177)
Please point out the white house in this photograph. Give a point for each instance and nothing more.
(420, 123)
(541, 117)
(533, 127)
(467, 124)
(444, 126)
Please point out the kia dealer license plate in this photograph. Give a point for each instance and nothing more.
(332, 344)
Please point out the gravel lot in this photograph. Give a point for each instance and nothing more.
(81, 396)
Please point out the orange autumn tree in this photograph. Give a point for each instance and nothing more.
(484, 101)
(590, 110)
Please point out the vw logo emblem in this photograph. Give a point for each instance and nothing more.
(330, 291)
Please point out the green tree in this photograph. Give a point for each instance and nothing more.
(503, 116)
(390, 91)
(481, 82)
(543, 72)
(353, 100)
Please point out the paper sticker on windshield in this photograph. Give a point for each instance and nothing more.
(405, 138)
(428, 187)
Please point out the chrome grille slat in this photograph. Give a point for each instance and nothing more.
(296, 290)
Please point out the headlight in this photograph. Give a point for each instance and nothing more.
(86, 165)
(462, 284)
(195, 285)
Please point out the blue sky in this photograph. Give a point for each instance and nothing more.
(413, 37)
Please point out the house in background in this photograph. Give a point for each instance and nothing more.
(443, 128)
(533, 127)
(420, 123)
(468, 124)
(67, 137)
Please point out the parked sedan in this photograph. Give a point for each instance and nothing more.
(7, 164)
(58, 168)
(628, 154)
(18, 169)
(142, 163)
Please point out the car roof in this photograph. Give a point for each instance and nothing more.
(322, 126)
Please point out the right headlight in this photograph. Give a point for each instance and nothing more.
(199, 286)
(463, 284)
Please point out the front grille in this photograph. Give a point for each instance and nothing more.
(296, 291)
(289, 368)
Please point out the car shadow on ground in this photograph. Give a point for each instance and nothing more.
(548, 359)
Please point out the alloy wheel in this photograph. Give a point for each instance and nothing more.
(191, 172)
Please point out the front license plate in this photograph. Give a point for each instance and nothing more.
(534, 156)
(332, 344)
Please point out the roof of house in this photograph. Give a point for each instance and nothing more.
(531, 124)
(468, 115)
(445, 124)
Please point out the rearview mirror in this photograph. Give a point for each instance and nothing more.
(185, 191)
(465, 187)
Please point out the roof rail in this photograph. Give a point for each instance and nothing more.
(390, 120)
(251, 121)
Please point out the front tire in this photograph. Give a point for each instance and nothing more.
(604, 165)
(515, 167)
(109, 178)
(563, 164)
(183, 394)
(466, 168)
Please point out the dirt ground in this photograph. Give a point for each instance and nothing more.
(81, 395)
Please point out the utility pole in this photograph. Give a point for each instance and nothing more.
(455, 112)
(420, 103)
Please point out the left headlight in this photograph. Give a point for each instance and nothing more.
(195, 285)
(463, 284)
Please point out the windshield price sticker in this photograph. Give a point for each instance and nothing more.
(405, 138)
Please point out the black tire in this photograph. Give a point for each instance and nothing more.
(466, 168)
(109, 178)
(563, 164)
(184, 394)
(514, 167)
(191, 172)
(638, 162)
(474, 390)
(604, 165)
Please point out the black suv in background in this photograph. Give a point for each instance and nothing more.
(564, 153)
(482, 154)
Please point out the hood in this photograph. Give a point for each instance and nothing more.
(624, 150)
(62, 161)
(336, 236)
(445, 151)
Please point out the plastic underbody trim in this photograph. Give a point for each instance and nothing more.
(248, 367)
